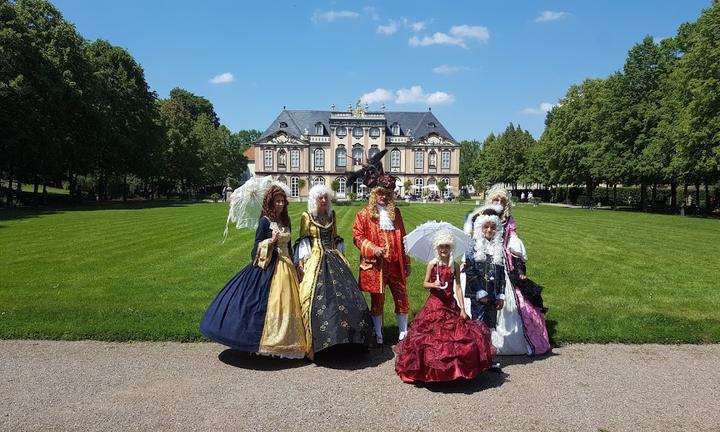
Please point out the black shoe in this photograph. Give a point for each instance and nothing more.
(495, 367)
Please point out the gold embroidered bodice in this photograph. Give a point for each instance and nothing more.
(283, 239)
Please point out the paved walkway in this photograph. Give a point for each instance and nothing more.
(172, 386)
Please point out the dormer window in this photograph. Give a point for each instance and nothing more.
(432, 125)
(319, 129)
(283, 125)
(395, 129)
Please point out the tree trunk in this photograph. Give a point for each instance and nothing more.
(9, 201)
(643, 196)
(673, 195)
(44, 192)
(36, 187)
(125, 188)
(708, 206)
(653, 195)
(614, 200)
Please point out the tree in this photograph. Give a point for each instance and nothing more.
(469, 158)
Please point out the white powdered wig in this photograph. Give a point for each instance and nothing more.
(499, 191)
(316, 192)
(476, 213)
(483, 246)
(443, 237)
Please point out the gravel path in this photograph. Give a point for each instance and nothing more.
(101, 386)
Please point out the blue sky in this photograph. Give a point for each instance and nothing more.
(479, 64)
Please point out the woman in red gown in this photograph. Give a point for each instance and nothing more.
(442, 343)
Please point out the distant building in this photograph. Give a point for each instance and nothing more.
(323, 146)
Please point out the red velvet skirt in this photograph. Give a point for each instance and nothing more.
(441, 346)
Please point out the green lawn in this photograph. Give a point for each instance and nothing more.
(140, 272)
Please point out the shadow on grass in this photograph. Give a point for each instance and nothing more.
(252, 361)
(27, 212)
(486, 380)
(353, 357)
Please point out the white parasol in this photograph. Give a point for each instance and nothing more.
(246, 202)
(419, 242)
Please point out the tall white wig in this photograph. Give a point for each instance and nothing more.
(316, 192)
(499, 191)
(443, 237)
(492, 247)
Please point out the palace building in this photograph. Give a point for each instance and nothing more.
(324, 146)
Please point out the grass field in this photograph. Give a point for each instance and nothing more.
(147, 272)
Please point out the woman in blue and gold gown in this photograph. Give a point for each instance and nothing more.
(258, 310)
(334, 310)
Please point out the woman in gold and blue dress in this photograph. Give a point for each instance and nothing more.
(334, 310)
(258, 310)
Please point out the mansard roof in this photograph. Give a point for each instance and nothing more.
(420, 123)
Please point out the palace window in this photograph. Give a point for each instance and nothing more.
(319, 180)
(268, 159)
(357, 132)
(373, 151)
(395, 160)
(340, 157)
(418, 185)
(341, 185)
(357, 155)
(395, 129)
(341, 131)
(319, 159)
(374, 132)
(295, 159)
(294, 189)
(419, 160)
(446, 160)
(319, 129)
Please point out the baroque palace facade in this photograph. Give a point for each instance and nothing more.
(324, 146)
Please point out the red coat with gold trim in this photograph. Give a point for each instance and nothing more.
(367, 235)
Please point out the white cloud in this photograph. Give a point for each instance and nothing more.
(223, 78)
(418, 26)
(370, 10)
(544, 108)
(331, 16)
(436, 39)
(447, 70)
(415, 94)
(388, 29)
(480, 33)
(379, 95)
(546, 16)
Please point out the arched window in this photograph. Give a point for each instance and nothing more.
(342, 181)
(340, 157)
(341, 131)
(432, 159)
(373, 151)
(319, 180)
(295, 159)
(319, 129)
(395, 129)
(395, 160)
(419, 161)
(418, 185)
(374, 132)
(357, 132)
(357, 155)
(294, 189)
(319, 159)
(281, 159)
(445, 160)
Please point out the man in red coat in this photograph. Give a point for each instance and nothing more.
(378, 232)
